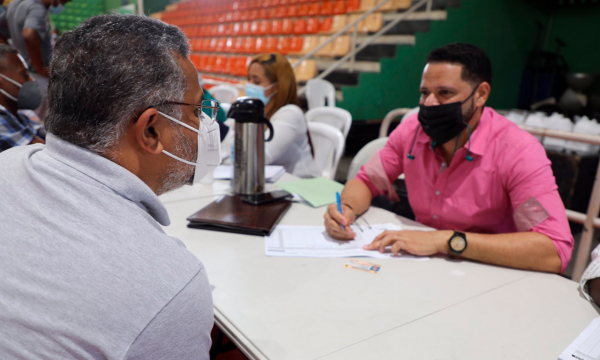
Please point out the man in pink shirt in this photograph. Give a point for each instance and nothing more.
(485, 184)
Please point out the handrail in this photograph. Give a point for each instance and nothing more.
(363, 44)
(339, 33)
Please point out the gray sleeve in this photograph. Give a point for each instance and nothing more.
(36, 18)
(181, 330)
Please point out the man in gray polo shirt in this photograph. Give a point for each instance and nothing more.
(86, 271)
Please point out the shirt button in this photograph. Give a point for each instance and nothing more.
(443, 164)
(435, 216)
(437, 192)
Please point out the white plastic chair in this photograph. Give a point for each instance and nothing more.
(328, 145)
(317, 90)
(336, 117)
(363, 156)
(391, 116)
(224, 93)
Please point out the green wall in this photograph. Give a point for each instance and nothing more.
(505, 29)
(579, 28)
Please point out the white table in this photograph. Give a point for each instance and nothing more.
(309, 308)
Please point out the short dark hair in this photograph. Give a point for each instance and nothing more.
(107, 71)
(4, 51)
(476, 65)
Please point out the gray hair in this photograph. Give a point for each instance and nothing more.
(4, 51)
(107, 71)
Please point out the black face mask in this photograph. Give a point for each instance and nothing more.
(442, 123)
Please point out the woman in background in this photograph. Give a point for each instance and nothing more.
(271, 79)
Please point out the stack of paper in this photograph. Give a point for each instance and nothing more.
(272, 172)
(317, 192)
(313, 241)
(587, 344)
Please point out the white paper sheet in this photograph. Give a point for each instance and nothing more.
(587, 344)
(313, 241)
(272, 172)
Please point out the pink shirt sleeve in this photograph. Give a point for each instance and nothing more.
(387, 164)
(534, 196)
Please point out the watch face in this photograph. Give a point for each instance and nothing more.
(458, 243)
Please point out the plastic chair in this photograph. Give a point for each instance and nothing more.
(318, 91)
(238, 45)
(328, 143)
(314, 9)
(276, 27)
(280, 12)
(255, 28)
(261, 46)
(339, 7)
(326, 50)
(325, 26)
(363, 156)
(390, 116)
(225, 93)
(300, 27)
(366, 5)
(250, 45)
(245, 30)
(296, 44)
(372, 23)
(339, 118)
(327, 8)
(302, 10)
(283, 45)
(272, 45)
(265, 27)
(291, 11)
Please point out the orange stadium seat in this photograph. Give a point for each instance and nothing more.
(326, 25)
(276, 27)
(238, 45)
(210, 63)
(228, 45)
(220, 64)
(312, 26)
(291, 11)
(245, 30)
(237, 29)
(244, 15)
(338, 23)
(261, 45)
(255, 28)
(302, 10)
(272, 13)
(300, 27)
(280, 13)
(327, 8)
(353, 5)
(262, 13)
(314, 9)
(274, 3)
(230, 65)
(296, 44)
(228, 16)
(253, 15)
(221, 42)
(236, 16)
(287, 26)
(310, 42)
(250, 45)
(283, 45)
(205, 46)
(271, 44)
(339, 7)
(203, 62)
(265, 27)
(228, 29)
(212, 46)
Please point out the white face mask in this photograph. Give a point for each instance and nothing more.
(209, 146)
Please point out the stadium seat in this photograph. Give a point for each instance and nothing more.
(287, 26)
(229, 29)
(314, 9)
(205, 44)
(228, 45)
(280, 13)
(300, 27)
(238, 45)
(302, 10)
(283, 45)
(306, 70)
(339, 7)
(310, 42)
(291, 11)
(210, 63)
(261, 45)
(203, 62)
(325, 51)
(265, 27)
(271, 44)
(312, 25)
(296, 45)
(212, 46)
(221, 42)
(249, 45)
(253, 15)
(220, 64)
(341, 46)
(276, 27)
(326, 8)
(326, 25)
(237, 29)
(245, 30)
(230, 65)
(262, 14)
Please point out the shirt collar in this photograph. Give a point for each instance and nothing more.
(479, 137)
(109, 174)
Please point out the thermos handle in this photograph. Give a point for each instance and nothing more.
(270, 126)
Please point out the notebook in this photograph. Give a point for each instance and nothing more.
(230, 214)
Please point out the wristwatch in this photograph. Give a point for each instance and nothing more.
(457, 243)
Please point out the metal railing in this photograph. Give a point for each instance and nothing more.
(353, 48)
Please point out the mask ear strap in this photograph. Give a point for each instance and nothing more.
(11, 80)
(8, 95)
(410, 155)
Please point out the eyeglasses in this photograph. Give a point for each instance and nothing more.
(209, 107)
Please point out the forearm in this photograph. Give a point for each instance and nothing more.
(357, 195)
(34, 49)
(523, 250)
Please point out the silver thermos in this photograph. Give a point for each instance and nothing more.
(249, 145)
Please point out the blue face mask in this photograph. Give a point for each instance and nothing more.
(257, 91)
(55, 10)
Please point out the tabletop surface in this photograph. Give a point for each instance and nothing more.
(309, 308)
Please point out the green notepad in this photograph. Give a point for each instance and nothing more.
(317, 192)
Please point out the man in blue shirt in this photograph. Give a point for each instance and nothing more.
(17, 95)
